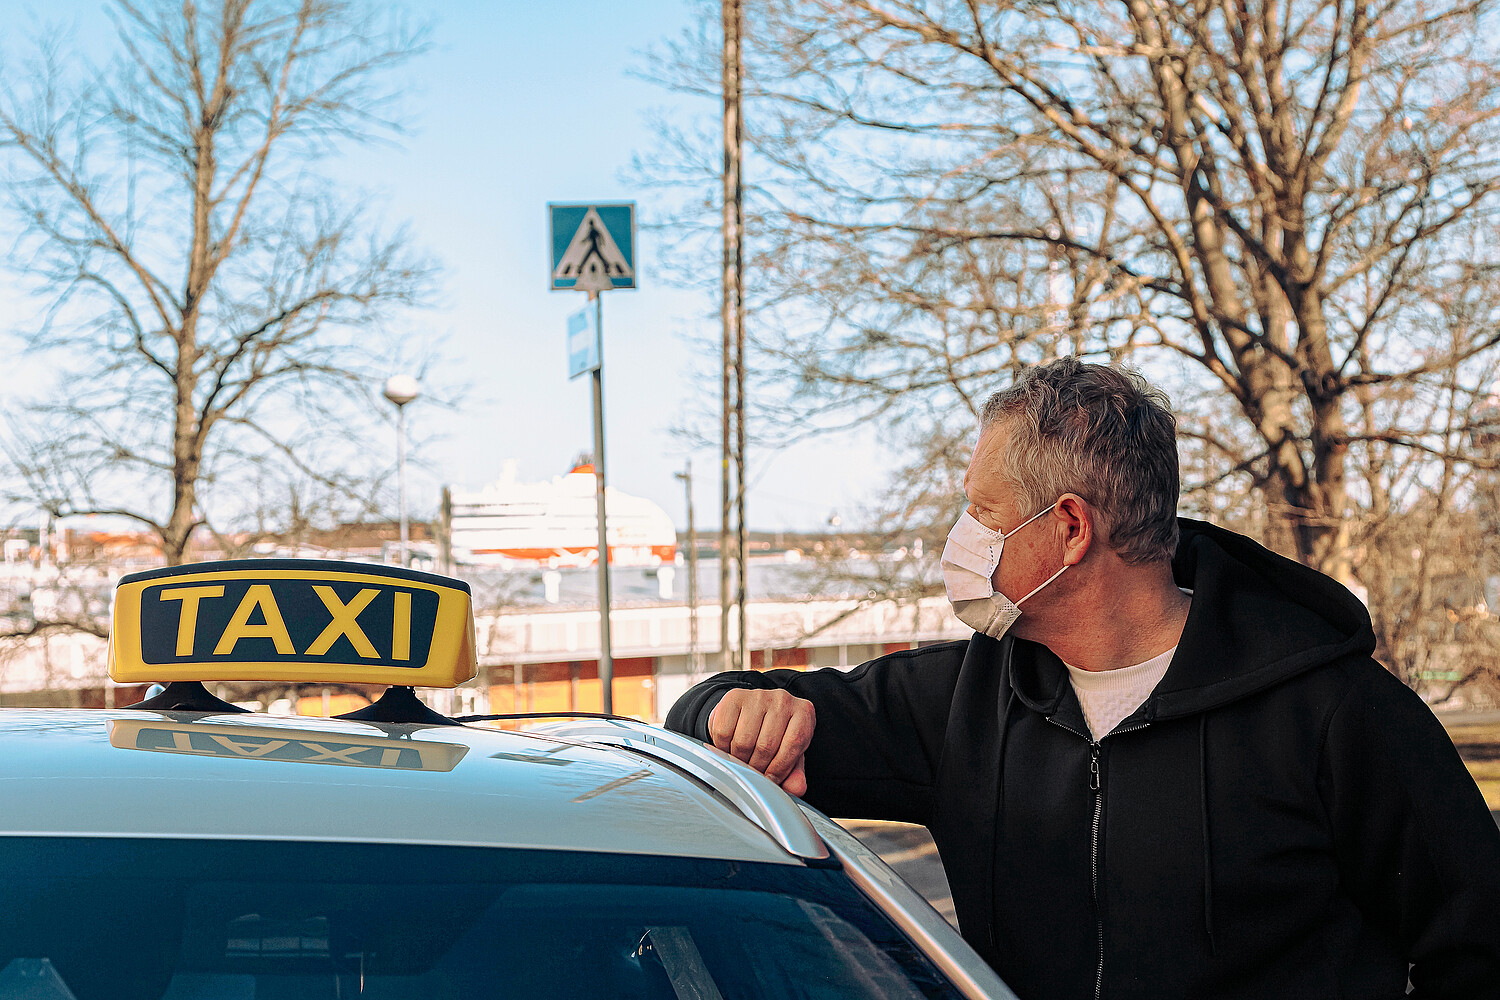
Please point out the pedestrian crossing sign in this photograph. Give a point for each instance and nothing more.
(593, 247)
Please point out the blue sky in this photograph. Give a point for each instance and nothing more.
(519, 103)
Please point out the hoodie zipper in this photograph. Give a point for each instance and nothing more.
(1096, 789)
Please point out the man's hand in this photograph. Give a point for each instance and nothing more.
(769, 730)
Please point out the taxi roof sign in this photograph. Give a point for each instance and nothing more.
(292, 620)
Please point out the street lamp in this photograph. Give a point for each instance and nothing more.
(401, 389)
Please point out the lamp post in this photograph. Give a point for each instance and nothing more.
(686, 475)
(401, 389)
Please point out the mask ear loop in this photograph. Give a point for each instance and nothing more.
(1024, 523)
(1044, 583)
(1054, 576)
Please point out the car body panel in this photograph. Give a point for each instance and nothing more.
(169, 774)
(180, 775)
(749, 791)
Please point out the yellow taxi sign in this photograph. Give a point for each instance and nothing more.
(292, 620)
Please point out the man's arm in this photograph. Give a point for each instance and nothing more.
(1418, 850)
(876, 733)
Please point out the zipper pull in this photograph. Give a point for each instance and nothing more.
(1094, 768)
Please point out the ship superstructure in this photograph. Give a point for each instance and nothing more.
(554, 524)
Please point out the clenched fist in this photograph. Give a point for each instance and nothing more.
(769, 730)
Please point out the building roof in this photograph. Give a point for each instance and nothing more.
(167, 774)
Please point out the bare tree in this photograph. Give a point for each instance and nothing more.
(1273, 205)
(213, 306)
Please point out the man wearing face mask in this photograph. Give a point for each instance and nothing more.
(1169, 767)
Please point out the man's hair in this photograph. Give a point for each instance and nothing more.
(1103, 433)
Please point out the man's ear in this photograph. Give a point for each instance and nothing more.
(1078, 520)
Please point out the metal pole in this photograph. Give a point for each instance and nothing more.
(686, 475)
(741, 565)
(445, 533)
(401, 474)
(606, 659)
(730, 315)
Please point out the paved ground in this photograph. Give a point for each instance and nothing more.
(1477, 736)
(910, 851)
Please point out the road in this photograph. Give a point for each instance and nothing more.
(910, 851)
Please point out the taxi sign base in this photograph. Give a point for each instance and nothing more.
(398, 704)
(186, 696)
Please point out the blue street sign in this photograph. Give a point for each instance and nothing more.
(593, 246)
(583, 342)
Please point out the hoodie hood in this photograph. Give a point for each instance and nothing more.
(1257, 618)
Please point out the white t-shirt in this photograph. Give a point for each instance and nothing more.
(1109, 696)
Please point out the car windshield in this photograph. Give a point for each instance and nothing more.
(234, 920)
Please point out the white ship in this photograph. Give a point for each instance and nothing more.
(554, 524)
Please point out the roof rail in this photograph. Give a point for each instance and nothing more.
(757, 797)
(506, 716)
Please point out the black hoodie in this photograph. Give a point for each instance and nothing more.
(1281, 819)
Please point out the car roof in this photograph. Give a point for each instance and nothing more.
(189, 775)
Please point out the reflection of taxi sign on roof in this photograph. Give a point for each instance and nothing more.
(295, 745)
(292, 620)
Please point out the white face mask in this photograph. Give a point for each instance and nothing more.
(969, 562)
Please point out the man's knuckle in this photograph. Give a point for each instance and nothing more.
(801, 727)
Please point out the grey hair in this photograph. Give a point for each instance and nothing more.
(1103, 433)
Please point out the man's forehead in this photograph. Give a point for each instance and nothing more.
(988, 452)
(993, 442)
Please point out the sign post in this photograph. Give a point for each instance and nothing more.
(593, 250)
